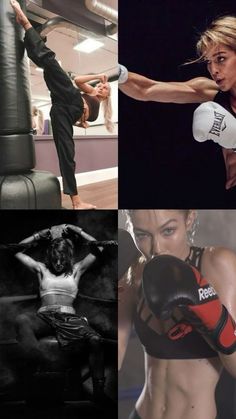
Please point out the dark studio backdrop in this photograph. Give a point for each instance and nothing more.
(160, 164)
(14, 227)
(18, 282)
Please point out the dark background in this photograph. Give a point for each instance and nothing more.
(53, 391)
(160, 164)
(16, 226)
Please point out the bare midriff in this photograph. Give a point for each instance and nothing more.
(179, 389)
(53, 299)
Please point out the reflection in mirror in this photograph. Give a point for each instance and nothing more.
(66, 39)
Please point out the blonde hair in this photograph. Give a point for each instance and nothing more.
(220, 31)
(107, 112)
(37, 119)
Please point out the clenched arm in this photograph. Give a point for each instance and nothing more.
(197, 90)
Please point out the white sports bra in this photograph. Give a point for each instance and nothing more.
(61, 286)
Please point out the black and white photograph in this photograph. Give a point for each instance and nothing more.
(58, 310)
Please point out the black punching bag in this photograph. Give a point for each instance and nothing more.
(16, 139)
(20, 187)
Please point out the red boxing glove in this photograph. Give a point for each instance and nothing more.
(168, 283)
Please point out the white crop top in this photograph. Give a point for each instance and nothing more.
(60, 286)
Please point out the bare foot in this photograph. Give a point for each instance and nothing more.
(20, 16)
(78, 204)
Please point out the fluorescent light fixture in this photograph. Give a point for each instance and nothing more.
(88, 45)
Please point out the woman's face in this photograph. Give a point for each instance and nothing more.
(221, 64)
(103, 90)
(58, 262)
(159, 232)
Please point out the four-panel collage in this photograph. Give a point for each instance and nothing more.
(115, 301)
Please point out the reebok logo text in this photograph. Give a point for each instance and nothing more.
(205, 293)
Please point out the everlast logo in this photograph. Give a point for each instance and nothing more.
(217, 124)
(205, 293)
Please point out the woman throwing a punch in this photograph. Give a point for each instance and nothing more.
(217, 48)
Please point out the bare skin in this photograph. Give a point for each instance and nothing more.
(44, 274)
(221, 64)
(174, 388)
(102, 90)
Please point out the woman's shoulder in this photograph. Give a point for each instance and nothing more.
(219, 259)
(129, 285)
(220, 271)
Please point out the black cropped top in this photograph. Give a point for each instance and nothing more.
(94, 106)
(223, 98)
(191, 346)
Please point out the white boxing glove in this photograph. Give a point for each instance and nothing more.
(213, 122)
(123, 74)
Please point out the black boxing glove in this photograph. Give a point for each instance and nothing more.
(170, 283)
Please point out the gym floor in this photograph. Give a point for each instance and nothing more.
(102, 194)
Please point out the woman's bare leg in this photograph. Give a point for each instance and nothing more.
(21, 18)
(78, 204)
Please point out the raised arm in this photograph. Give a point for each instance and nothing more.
(197, 90)
(84, 264)
(83, 82)
(32, 240)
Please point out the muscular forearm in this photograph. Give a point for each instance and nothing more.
(83, 82)
(137, 86)
(86, 78)
(94, 249)
(28, 240)
(36, 237)
(79, 231)
(197, 90)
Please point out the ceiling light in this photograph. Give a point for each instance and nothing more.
(88, 45)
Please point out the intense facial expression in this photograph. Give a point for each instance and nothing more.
(221, 64)
(159, 232)
(58, 262)
(103, 90)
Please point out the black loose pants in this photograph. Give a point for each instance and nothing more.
(67, 106)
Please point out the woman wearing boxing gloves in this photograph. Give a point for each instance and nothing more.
(183, 318)
(69, 106)
(214, 120)
(58, 276)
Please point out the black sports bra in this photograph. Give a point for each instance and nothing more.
(94, 106)
(191, 346)
(223, 99)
